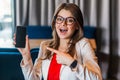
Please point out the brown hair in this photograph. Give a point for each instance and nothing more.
(78, 34)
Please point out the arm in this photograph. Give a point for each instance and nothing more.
(30, 71)
(87, 68)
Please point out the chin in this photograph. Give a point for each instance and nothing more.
(64, 37)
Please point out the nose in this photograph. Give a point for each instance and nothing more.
(64, 22)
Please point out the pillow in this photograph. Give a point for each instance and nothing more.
(89, 32)
(39, 32)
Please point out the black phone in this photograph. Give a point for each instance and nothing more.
(20, 37)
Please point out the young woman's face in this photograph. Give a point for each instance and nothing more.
(65, 24)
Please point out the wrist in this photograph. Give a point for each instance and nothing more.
(26, 57)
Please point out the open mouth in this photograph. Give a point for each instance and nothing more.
(63, 30)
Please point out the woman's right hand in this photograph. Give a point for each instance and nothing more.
(24, 51)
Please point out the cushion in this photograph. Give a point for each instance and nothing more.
(45, 32)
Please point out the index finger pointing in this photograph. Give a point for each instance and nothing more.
(53, 50)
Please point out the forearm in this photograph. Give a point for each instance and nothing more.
(30, 71)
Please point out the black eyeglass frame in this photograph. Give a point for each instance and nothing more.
(64, 19)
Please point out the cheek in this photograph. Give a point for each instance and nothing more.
(57, 27)
(72, 28)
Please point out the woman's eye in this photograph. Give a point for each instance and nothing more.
(59, 19)
(70, 20)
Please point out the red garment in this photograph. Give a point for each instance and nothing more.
(54, 69)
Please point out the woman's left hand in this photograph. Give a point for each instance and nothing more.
(62, 57)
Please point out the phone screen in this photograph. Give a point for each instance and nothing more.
(20, 36)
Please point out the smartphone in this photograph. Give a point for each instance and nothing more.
(20, 36)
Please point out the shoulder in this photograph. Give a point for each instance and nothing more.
(42, 48)
(45, 43)
(84, 47)
(82, 42)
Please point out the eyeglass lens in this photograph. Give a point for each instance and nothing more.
(69, 20)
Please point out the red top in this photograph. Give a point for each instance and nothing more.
(54, 69)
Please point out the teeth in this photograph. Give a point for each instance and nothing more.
(63, 30)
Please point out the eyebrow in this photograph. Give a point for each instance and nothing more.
(66, 17)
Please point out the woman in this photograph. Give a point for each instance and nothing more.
(68, 56)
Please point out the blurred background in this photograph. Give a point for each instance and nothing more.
(104, 15)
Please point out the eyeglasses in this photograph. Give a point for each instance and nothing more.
(68, 20)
